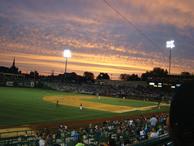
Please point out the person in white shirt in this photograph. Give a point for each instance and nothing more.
(81, 107)
(153, 121)
(142, 134)
(154, 134)
(41, 142)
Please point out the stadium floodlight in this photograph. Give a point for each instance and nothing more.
(170, 44)
(66, 54)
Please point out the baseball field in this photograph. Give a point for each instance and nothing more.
(27, 106)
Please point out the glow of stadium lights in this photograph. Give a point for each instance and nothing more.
(173, 87)
(66, 54)
(159, 85)
(178, 85)
(151, 84)
(170, 44)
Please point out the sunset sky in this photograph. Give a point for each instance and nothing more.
(36, 32)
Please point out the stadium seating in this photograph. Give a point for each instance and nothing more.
(118, 132)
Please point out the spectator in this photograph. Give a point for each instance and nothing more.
(49, 140)
(41, 142)
(142, 134)
(181, 119)
(153, 121)
(153, 133)
(74, 135)
(79, 143)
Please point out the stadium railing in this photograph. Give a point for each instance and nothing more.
(163, 140)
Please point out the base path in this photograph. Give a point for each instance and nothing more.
(77, 100)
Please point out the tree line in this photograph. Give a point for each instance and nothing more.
(89, 76)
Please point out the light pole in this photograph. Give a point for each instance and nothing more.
(170, 44)
(66, 54)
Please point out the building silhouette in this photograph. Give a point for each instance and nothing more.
(13, 69)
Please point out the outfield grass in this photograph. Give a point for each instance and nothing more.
(20, 106)
(123, 102)
(25, 105)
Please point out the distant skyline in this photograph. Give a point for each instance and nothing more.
(37, 32)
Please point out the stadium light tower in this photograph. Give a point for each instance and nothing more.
(170, 44)
(66, 54)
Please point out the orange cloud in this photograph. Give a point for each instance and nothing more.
(81, 62)
(99, 39)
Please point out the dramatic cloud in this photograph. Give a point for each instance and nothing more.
(36, 33)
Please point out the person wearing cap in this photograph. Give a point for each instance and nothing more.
(181, 117)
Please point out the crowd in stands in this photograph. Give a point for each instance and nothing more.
(108, 133)
(143, 92)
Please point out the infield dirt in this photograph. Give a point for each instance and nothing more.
(77, 100)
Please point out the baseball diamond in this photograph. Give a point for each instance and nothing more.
(27, 106)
